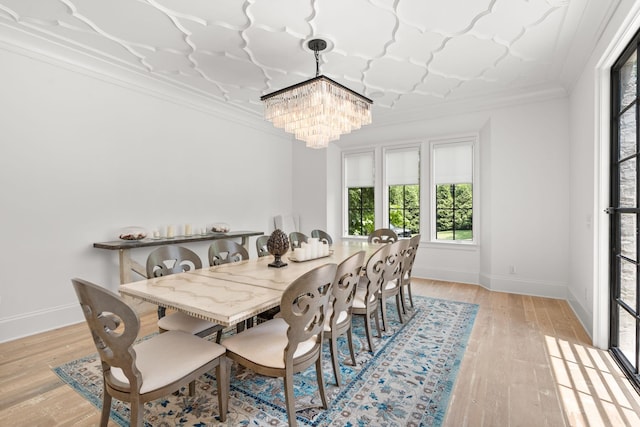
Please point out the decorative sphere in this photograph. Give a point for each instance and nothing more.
(278, 243)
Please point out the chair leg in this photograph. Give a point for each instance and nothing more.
(137, 414)
(223, 372)
(290, 398)
(219, 336)
(353, 354)
(399, 307)
(323, 395)
(192, 388)
(402, 300)
(377, 319)
(334, 359)
(383, 308)
(367, 327)
(409, 292)
(106, 407)
(161, 312)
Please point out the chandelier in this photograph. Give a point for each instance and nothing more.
(319, 110)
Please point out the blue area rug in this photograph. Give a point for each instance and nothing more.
(407, 382)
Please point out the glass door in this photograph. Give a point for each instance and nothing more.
(625, 214)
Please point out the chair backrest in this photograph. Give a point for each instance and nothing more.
(296, 238)
(261, 246)
(395, 259)
(170, 260)
(323, 236)
(374, 270)
(383, 235)
(344, 288)
(114, 326)
(224, 251)
(304, 305)
(410, 256)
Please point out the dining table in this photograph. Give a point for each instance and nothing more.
(231, 293)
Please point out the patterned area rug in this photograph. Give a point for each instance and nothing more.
(407, 382)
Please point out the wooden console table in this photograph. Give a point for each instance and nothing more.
(127, 264)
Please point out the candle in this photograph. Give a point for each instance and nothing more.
(187, 229)
(170, 232)
(156, 234)
(203, 231)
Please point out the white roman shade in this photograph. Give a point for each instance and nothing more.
(359, 170)
(453, 163)
(403, 166)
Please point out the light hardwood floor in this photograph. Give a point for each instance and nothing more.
(528, 363)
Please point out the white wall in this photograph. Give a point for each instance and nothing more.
(524, 152)
(82, 156)
(588, 290)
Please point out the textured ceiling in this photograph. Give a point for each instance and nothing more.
(407, 55)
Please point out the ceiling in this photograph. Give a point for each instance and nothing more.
(409, 56)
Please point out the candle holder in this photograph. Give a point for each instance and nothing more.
(278, 245)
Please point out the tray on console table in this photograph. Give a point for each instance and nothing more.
(124, 246)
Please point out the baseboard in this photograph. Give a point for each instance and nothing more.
(510, 284)
(446, 275)
(584, 317)
(27, 324)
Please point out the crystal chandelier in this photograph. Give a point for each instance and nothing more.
(319, 110)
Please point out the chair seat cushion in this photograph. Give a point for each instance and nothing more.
(179, 321)
(265, 343)
(358, 300)
(341, 318)
(166, 358)
(390, 285)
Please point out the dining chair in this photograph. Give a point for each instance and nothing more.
(338, 320)
(291, 342)
(323, 236)
(261, 246)
(224, 251)
(393, 280)
(296, 238)
(407, 266)
(382, 235)
(172, 259)
(152, 368)
(366, 299)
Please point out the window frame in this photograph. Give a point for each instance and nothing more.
(345, 192)
(385, 186)
(467, 140)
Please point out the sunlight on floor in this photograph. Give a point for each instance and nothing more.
(592, 390)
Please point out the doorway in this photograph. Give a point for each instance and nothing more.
(624, 281)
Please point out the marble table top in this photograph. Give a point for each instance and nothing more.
(230, 293)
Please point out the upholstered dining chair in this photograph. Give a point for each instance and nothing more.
(366, 299)
(323, 236)
(382, 235)
(393, 280)
(224, 251)
(155, 367)
(291, 342)
(261, 246)
(296, 238)
(338, 321)
(172, 259)
(407, 266)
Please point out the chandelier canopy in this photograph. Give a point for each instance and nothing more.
(319, 110)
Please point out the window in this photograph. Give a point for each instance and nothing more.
(359, 183)
(453, 191)
(402, 175)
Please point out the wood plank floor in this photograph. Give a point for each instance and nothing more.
(528, 363)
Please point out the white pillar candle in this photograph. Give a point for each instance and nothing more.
(170, 232)
(187, 229)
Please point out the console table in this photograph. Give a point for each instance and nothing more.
(124, 247)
